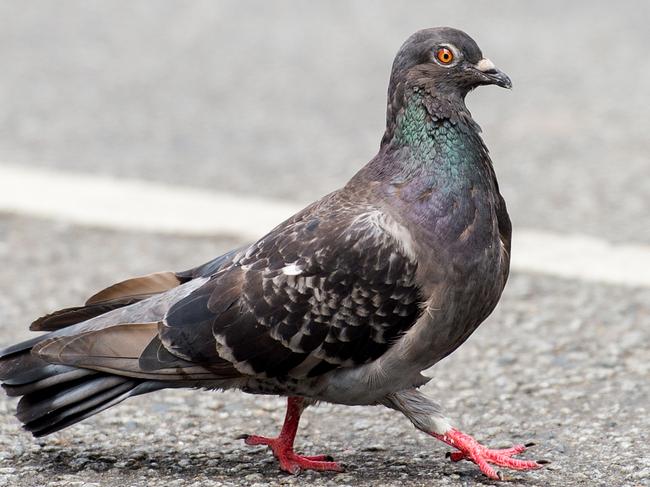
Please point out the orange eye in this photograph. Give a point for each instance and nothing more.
(444, 55)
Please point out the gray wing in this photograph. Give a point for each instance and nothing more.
(128, 292)
(326, 289)
(116, 330)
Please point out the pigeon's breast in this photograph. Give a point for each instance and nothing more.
(454, 220)
(460, 230)
(462, 261)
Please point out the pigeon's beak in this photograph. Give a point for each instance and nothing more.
(491, 75)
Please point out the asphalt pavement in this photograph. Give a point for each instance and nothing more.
(286, 100)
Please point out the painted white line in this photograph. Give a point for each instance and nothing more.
(106, 202)
(143, 206)
(580, 257)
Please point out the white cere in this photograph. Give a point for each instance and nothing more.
(485, 65)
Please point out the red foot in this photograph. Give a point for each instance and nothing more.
(289, 460)
(282, 446)
(472, 450)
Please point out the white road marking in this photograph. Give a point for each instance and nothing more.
(580, 257)
(124, 204)
(104, 202)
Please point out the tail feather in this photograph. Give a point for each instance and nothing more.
(33, 374)
(63, 417)
(43, 378)
(83, 367)
(14, 351)
(39, 403)
(55, 396)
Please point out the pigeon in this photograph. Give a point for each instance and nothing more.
(346, 302)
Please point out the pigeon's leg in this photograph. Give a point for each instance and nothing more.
(282, 446)
(427, 416)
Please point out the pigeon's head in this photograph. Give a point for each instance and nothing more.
(444, 61)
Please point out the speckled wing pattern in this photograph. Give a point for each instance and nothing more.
(328, 288)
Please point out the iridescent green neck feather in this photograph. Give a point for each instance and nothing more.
(437, 146)
(415, 129)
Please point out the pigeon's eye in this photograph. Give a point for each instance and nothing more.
(444, 55)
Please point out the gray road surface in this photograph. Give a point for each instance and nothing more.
(286, 99)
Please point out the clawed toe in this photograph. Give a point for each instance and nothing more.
(508, 462)
(319, 458)
(472, 450)
(289, 460)
(294, 463)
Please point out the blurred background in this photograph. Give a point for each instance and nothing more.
(285, 100)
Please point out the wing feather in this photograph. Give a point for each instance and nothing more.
(119, 349)
(327, 289)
